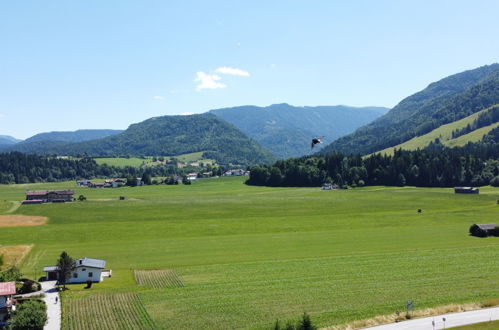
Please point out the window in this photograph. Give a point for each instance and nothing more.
(84, 269)
(90, 274)
(75, 275)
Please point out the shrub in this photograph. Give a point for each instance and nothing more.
(30, 315)
(29, 286)
(11, 274)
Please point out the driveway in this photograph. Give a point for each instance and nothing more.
(451, 320)
(53, 302)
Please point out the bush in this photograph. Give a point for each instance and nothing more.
(11, 274)
(29, 286)
(30, 315)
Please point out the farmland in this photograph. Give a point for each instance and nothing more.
(250, 255)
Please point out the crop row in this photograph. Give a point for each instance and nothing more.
(106, 311)
(161, 278)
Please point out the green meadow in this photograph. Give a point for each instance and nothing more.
(247, 256)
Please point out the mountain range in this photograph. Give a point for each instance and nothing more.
(241, 132)
(287, 130)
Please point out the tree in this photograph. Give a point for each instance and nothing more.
(82, 198)
(30, 315)
(65, 267)
(1, 261)
(305, 323)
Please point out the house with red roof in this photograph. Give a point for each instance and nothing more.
(7, 290)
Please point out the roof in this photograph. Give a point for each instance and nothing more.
(89, 262)
(488, 226)
(45, 192)
(50, 268)
(7, 288)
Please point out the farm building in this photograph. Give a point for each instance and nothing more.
(82, 183)
(483, 230)
(86, 269)
(466, 190)
(192, 176)
(7, 289)
(46, 196)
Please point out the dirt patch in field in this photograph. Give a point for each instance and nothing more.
(13, 255)
(21, 220)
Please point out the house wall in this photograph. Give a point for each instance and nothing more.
(82, 273)
(3, 300)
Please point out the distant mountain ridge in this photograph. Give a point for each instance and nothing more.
(442, 102)
(287, 130)
(8, 140)
(73, 136)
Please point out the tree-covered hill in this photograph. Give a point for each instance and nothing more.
(442, 102)
(170, 136)
(286, 130)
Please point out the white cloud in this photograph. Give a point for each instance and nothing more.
(208, 81)
(232, 71)
(158, 97)
(186, 113)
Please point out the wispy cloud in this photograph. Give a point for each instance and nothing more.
(2, 115)
(208, 81)
(186, 113)
(232, 71)
(158, 97)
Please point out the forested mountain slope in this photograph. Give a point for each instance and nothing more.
(286, 130)
(442, 102)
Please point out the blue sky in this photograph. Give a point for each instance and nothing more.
(66, 65)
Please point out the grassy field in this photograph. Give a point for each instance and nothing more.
(122, 162)
(247, 256)
(147, 161)
(494, 325)
(444, 133)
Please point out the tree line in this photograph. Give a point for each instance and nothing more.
(16, 167)
(475, 164)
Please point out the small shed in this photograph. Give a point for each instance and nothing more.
(466, 190)
(483, 230)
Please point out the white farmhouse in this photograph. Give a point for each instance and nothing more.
(86, 269)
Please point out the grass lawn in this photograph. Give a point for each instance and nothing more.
(494, 325)
(247, 256)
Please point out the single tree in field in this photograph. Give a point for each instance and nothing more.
(65, 267)
(1, 261)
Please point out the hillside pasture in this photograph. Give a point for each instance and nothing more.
(444, 134)
(250, 255)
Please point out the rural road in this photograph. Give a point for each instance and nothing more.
(451, 320)
(53, 307)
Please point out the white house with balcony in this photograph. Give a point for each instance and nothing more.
(86, 269)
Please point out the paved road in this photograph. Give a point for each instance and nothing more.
(53, 306)
(451, 320)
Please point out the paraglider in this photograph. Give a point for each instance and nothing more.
(316, 141)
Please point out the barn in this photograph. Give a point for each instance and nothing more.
(483, 230)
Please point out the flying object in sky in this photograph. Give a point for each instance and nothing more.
(315, 141)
